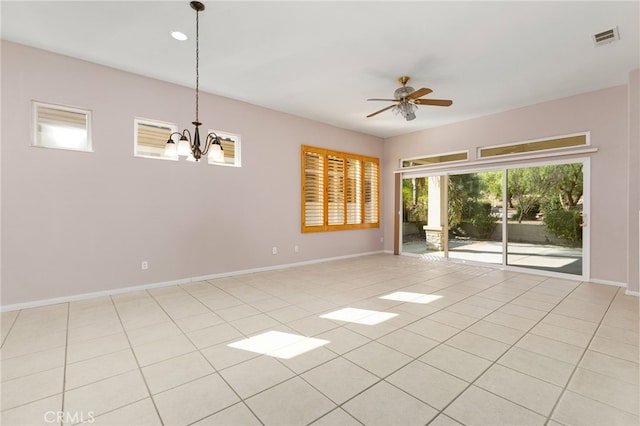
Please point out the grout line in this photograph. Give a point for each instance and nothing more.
(564, 389)
(199, 350)
(64, 370)
(13, 323)
(469, 274)
(144, 379)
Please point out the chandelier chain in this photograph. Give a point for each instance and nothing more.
(197, 62)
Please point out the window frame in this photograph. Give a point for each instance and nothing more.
(544, 145)
(368, 190)
(156, 123)
(35, 140)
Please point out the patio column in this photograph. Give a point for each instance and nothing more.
(436, 214)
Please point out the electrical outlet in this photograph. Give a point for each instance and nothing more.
(144, 265)
(296, 249)
(274, 250)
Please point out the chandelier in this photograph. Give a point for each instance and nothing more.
(406, 109)
(187, 146)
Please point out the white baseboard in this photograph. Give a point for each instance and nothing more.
(607, 282)
(111, 292)
(632, 293)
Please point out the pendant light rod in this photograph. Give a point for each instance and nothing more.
(186, 145)
(198, 7)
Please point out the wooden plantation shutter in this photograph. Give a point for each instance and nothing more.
(312, 190)
(371, 192)
(339, 190)
(335, 190)
(354, 191)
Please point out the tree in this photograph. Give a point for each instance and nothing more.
(530, 186)
(569, 185)
(462, 190)
(415, 200)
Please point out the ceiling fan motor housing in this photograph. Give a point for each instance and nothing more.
(403, 92)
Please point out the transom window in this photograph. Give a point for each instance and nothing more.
(230, 149)
(339, 190)
(533, 146)
(61, 127)
(151, 138)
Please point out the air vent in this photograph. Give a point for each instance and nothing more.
(605, 37)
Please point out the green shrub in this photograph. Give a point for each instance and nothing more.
(564, 224)
(483, 220)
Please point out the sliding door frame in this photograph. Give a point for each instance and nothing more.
(457, 169)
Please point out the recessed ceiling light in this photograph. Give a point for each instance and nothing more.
(178, 35)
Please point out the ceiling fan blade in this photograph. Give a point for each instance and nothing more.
(378, 112)
(387, 100)
(419, 93)
(434, 102)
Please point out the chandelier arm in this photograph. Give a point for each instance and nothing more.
(211, 139)
(171, 136)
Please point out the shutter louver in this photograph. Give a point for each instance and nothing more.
(335, 190)
(313, 189)
(371, 197)
(354, 191)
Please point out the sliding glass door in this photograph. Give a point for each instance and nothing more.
(423, 215)
(545, 227)
(475, 217)
(524, 217)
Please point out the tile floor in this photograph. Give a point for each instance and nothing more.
(465, 345)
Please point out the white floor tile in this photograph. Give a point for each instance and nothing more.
(340, 379)
(195, 400)
(304, 404)
(384, 405)
(479, 407)
(162, 356)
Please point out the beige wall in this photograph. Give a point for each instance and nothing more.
(76, 223)
(633, 161)
(603, 113)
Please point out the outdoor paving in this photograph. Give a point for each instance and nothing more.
(566, 260)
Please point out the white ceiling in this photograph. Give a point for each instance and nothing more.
(323, 59)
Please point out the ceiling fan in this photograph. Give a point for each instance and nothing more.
(406, 99)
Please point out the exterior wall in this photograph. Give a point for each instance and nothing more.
(604, 113)
(76, 222)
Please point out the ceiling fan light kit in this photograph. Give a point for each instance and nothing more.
(407, 100)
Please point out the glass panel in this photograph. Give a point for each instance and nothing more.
(475, 215)
(58, 127)
(445, 158)
(423, 215)
(230, 149)
(534, 146)
(151, 138)
(545, 210)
